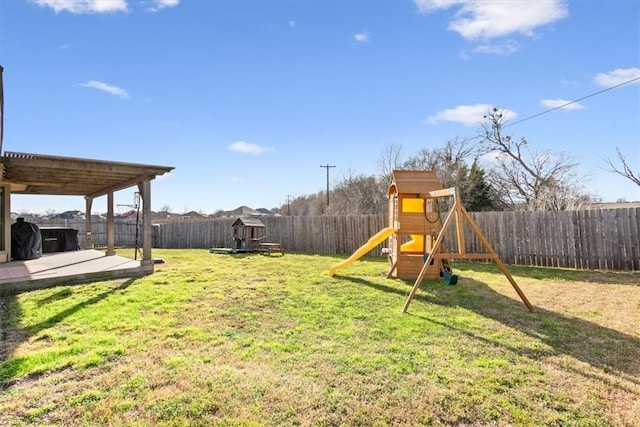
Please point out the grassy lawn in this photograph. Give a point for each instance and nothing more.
(249, 340)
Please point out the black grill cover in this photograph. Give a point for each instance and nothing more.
(26, 240)
(59, 239)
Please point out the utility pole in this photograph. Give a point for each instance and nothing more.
(327, 168)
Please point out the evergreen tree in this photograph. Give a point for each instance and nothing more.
(476, 193)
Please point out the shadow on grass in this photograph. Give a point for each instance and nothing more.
(60, 295)
(10, 312)
(601, 347)
(57, 318)
(605, 277)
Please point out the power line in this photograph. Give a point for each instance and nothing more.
(572, 102)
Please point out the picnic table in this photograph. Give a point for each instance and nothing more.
(270, 248)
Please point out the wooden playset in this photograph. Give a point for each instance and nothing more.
(416, 222)
(416, 233)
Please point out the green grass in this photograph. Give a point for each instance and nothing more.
(254, 340)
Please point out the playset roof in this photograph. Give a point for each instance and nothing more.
(413, 182)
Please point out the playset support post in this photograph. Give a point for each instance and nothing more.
(459, 213)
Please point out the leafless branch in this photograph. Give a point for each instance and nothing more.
(625, 171)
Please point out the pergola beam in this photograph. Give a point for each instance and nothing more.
(121, 186)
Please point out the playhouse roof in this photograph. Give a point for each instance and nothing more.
(413, 182)
(248, 221)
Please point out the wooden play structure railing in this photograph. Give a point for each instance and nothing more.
(458, 215)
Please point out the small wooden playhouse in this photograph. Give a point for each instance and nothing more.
(248, 232)
(415, 218)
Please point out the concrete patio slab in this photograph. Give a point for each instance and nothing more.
(67, 268)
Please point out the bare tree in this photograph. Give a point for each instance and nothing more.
(452, 165)
(390, 159)
(625, 169)
(449, 162)
(314, 204)
(359, 194)
(526, 180)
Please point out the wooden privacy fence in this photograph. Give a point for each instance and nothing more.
(587, 239)
(306, 234)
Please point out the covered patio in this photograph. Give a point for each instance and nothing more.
(38, 174)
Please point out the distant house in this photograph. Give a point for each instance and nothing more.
(267, 212)
(26, 216)
(67, 215)
(243, 211)
(193, 214)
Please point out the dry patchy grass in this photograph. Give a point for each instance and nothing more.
(253, 340)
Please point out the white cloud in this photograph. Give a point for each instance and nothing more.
(497, 18)
(102, 6)
(505, 48)
(113, 90)
(84, 6)
(362, 37)
(247, 148)
(468, 115)
(561, 103)
(567, 82)
(617, 76)
(428, 6)
(161, 4)
(491, 157)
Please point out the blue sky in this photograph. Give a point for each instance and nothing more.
(247, 98)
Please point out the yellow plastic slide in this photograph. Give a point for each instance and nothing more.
(374, 241)
(416, 244)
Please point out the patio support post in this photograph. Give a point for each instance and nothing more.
(110, 232)
(88, 201)
(144, 188)
(5, 205)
